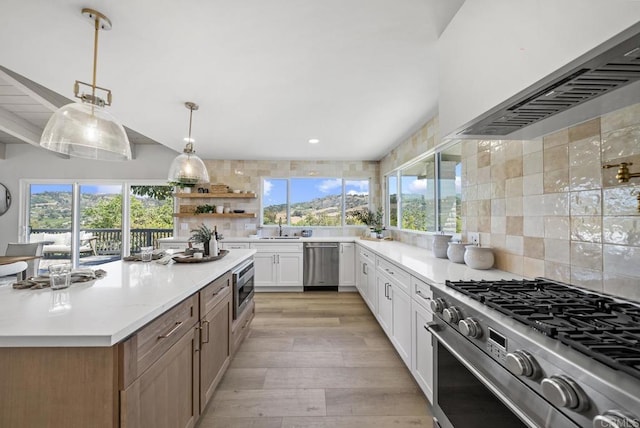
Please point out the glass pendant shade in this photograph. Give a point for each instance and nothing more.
(87, 131)
(188, 169)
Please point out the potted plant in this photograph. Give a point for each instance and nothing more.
(371, 219)
(202, 235)
(183, 185)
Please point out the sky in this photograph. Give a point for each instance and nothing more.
(306, 189)
(84, 188)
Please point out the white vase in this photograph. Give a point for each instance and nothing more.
(455, 252)
(478, 257)
(439, 246)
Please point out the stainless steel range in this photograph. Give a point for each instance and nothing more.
(534, 353)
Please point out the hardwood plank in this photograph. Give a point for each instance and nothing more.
(359, 422)
(293, 332)
(328, 343)
(243, 378)
(337, 377)
(299, 322)
(376, 402)
(227, 422)
(276, 402)
(372, 358)
(287, 359)
(267, 344)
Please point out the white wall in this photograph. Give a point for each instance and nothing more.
(492, 49)
(29, 162)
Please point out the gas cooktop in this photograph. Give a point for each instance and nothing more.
(604, 328)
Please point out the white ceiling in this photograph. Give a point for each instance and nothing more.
(268, 75)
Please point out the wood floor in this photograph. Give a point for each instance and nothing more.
(316, 360)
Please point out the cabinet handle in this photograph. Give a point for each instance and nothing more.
(386, 290)
(390, 272)
(364, 268)
(207, 324)
(389, 294)
(419, 293)
(170, 332)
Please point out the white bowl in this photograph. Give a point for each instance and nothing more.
(478, 257)
(439, 246)
(236, 191)
(456, 250)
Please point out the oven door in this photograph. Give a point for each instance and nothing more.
(471, 390)
(243, 288)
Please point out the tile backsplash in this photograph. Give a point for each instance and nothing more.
(247, 175)
(555, 212)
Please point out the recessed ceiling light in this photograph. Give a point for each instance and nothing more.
(314, 141)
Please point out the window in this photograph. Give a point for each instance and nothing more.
(98, 221)
(425, 195)
(312, 201)
(450, 190)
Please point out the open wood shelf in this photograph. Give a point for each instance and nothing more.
(216, 195)
(214, 215)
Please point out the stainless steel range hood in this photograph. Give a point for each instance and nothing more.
(603, 80)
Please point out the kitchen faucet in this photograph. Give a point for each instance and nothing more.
(280, 226)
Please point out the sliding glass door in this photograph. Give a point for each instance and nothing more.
(90, 223)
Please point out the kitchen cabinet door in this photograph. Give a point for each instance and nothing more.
(166, 395)
(265, 269)
(215, 348)
(347, 267)
(371, 286)
(385, 305)
(401, 323)
(422, 347)
(289, 269)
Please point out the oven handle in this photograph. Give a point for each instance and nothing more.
(433, 328)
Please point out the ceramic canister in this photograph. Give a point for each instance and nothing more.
(440, 244)
(478, 257)
(456, 250)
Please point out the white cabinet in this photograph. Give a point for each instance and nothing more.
(401, 323)
(366, 278)
(347, 266)
(394, 306)
(384, 311)
(421, 344)
(278, 266)
(226, 245)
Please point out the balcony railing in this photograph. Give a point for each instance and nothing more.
(109, 241)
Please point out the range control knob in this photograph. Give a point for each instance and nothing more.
(452, 314)
(437, 305)
(616, 419)
(521, 363)
(470, 327)
(564, 392)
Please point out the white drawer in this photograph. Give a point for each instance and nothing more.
(235, 245)
(400, 277)
(421, 293)
(277, 247)
(367, 254)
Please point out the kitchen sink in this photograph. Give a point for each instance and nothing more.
(279, 237)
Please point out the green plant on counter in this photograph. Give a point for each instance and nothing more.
(201, 235)
(183, 183)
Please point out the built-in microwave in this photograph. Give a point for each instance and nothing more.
(243, 287)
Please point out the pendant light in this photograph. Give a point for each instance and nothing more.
(187, 168)
(85, 129)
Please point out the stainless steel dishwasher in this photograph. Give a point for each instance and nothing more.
(321, 264)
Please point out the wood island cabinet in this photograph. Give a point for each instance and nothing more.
(162, 376)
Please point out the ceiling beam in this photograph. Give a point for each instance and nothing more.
(22, 129)
(45, 97)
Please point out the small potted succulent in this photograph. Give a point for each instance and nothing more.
(371, 219)
(202, 235)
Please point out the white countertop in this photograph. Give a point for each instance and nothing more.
(261, 240)
(108, 310)
(422, 264)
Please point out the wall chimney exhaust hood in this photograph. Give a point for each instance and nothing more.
(603, 80)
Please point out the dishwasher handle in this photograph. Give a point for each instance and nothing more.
(312, 245)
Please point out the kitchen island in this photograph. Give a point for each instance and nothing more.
(124, 350)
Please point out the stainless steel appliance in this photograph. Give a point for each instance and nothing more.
(243, 287)
(321, 265)
(534, 353)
